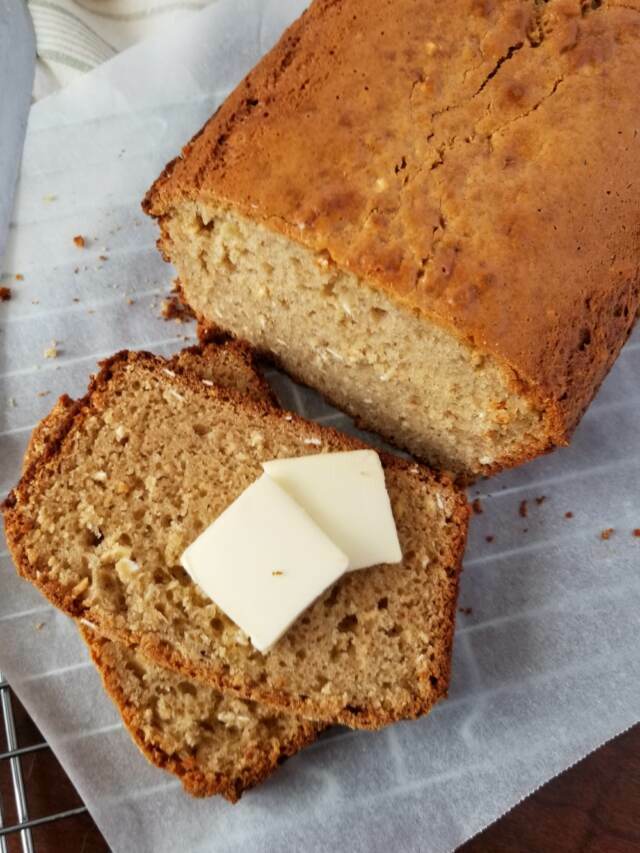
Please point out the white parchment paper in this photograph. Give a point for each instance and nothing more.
(546, 664)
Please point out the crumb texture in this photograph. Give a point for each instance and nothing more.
(454, 159)
(409, 380)
(139, 469)
(215, 744)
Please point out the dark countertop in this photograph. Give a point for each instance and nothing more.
(592, 808)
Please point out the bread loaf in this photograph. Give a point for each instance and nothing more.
(427, 211)
(152, 455)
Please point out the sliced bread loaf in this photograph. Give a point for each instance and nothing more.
(142, 464)
(430, 222)
(215, 743)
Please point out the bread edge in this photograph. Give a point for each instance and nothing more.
(195, 781)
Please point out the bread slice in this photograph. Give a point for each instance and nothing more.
(215, 744)
(429, 223)
(229, 364)
(145, 462)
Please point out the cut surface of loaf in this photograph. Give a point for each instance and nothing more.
(215, 744)
(432, 224)
(145, 462)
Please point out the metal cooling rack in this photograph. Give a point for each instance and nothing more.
(13, 755)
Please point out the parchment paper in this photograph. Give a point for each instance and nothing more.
(546, 665)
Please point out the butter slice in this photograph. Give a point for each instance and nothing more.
(264, 561)
(346, 495)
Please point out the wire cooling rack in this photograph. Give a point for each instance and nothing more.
(22, 826)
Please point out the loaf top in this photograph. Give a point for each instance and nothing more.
(478, 160)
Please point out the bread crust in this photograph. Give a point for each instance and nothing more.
(195, 780)
(433, 681)
(463, 166)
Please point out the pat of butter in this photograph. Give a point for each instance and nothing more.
(346, 495)
(264, 561)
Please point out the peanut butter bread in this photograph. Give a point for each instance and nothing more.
(137, 470)
(230, 364)
(214, 743)
(428, 211)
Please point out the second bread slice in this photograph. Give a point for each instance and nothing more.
(145, 462)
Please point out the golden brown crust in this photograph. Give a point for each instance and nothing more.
(433, 685)
(471, 166)
(195, 779)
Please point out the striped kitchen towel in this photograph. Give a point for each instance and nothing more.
(74, 36)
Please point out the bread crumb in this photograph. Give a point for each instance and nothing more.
(47, 199)
(19, 276)
(12, 402)
(541, 499)
(5, 294)
(277, 574)
(636, 532)
(35, 302)
(489, 538)
(476, 506)
(568, 514)
(52, 351)
(173, 309)
(79, 241)
(43, 393)
(39, 626)
(126, 569)
(130, 301)
(103, 257)
(522, 509)
(608, 533)
(80, 587)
